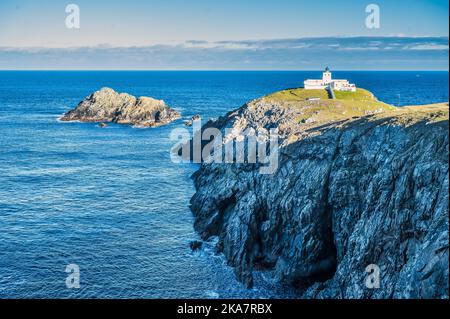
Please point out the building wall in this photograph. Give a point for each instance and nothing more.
(314, 84)
(315, 87)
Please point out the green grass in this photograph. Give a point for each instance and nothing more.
(346, 104)
(346, 107)
(359, 95)
(334, 110)
(298, 95)
(431, 113)
(303, 95)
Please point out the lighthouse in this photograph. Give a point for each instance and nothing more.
(327, 82)
(326, 76)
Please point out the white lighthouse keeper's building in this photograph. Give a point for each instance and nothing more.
(327, 81)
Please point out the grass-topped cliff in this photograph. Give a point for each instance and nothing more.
(359, 183)
(295, 111)
(317, 105)
(346, 104)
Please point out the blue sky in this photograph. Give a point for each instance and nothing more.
(201, 34)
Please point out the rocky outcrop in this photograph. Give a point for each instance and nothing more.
(107, 105)
(349, 193)
(196, 117)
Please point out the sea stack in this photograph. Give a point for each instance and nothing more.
(107, 105)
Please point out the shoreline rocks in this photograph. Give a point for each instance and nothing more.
(107, 105)
(191, 121)
(195, 245)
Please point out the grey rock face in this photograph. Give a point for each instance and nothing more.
(347, 194)
(107, 105)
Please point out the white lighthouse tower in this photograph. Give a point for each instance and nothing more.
(326, 77)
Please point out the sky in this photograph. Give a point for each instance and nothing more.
(206, 34)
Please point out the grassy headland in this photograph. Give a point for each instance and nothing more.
(311, 110)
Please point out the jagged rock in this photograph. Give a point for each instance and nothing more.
(103, 125)
(191, 121)
(349, 192)
(195, 245)
(107, 105)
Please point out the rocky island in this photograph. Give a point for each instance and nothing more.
(107, 105)
(361, 186)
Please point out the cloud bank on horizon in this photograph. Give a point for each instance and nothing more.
(346, 53)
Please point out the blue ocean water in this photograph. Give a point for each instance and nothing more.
(110, 200)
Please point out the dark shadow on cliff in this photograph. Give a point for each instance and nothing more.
(262, 253)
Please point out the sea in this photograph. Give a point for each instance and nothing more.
(109, 201)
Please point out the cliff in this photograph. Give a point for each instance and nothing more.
(359, 183)
(107, 105)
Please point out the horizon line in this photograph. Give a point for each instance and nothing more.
(222, 70)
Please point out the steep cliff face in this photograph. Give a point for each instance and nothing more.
(107, 105)
(349, 192)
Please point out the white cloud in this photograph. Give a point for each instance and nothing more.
(302, 53)
(429, 46)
